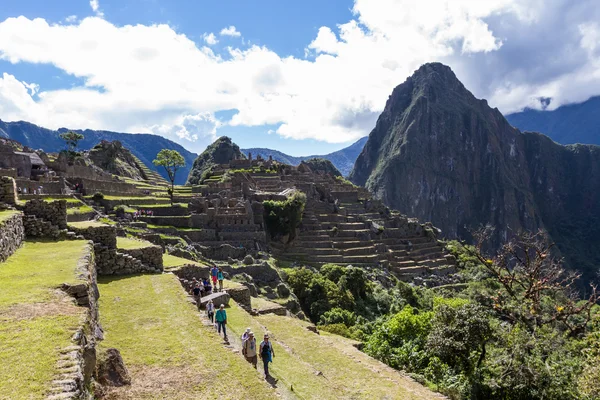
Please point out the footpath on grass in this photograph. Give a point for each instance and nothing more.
(37, 320)
(312, 366)
(169, 352)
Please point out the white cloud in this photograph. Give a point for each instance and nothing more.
(210, 39)
(156, 79)
(95, 4)
(230, 31)
(71, 18)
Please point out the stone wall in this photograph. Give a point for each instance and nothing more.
(39, 228)
(54, 212)
(8, 190)
(113, 262)
(10, 172)
(103, 235)
(152, 256)
(240, 295)
(91, 186)
(47, 187)
(78, 361)
(11, 235)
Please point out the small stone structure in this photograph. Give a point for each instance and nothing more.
(54, 212)
(8, 190)
(152, 256)
(12, 234)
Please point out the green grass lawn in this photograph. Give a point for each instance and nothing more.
(126, 243)
(169, 352)
(183, 205)
(87, 224)
(84, 209)
(301, 355)
(68, 200)
(170, 262)
(37, 268)
(36, 320)
(7, 214)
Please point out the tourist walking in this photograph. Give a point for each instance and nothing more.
(207, 286)
(245, 334)
(197, 292)
(214, 271)
(249, 349)
(210, 311)
(220, 278)
(221, 318)
(266, 354)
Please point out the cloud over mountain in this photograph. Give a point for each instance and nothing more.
(153, 78)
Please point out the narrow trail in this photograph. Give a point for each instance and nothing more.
(235, 345)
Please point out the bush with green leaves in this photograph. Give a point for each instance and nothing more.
(282, 217)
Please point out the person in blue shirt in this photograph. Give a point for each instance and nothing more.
(220, 278)
(221, 318)
(213, 274)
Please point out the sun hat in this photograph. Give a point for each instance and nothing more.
(248, 330)
(250, 333)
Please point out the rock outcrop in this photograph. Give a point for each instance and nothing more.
(441, 155)
(222, 151)
(114, 158)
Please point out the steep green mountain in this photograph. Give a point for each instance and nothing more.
(441, 155)
(116, 159)
(221, 151)
(144, 146)
(569, 124)
(321, 165)
(342, 159)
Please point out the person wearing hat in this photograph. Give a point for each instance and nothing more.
(249, 349)
(266, 354)
(210, 311)
(221, 318)
(245, 334)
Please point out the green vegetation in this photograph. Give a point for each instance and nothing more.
(171, 161)
(37, 268)
(170, 262)
(84, 209)
(29, 353)
(154, 310)
(514, 332)
(89, 224)
(132, 244)
(71, 139)
(283, 217)
(6, 214)
(323, 366)
(35, 321)
(222, 151)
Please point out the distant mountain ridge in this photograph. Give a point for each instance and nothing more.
(144, 146)
(342, 159)
(568, 124)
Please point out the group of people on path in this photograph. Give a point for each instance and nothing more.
(216, 273)
(251, 352)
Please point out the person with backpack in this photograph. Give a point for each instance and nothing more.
(213, 274)
(221, 318)
(220, 278)
(245, 334)
(249, 349)
(210, 311)
(197, 292)
(266, 354)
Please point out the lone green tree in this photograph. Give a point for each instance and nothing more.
(72, 139)
(171, 161)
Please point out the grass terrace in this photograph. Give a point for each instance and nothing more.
(7, 214)
(168, 351)
(87, 224)
(324, 366)
(36, 319)
(84, 209)
(132, 244)
(173, 262)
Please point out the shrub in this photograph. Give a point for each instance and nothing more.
(283, 217)
(98, 196)
(338, 316)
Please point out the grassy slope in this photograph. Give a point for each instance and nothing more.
(346, 372)
(7, 214)
(35, 322)
(131, 244)
(170, 262)
(86, 224)
(149, 319)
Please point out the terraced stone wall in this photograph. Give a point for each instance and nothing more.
(103, 235)
(54, 212)
(12, 234)
(91, 186)
(152, 256)
(78, 361)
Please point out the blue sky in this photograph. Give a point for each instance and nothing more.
(304, 77)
